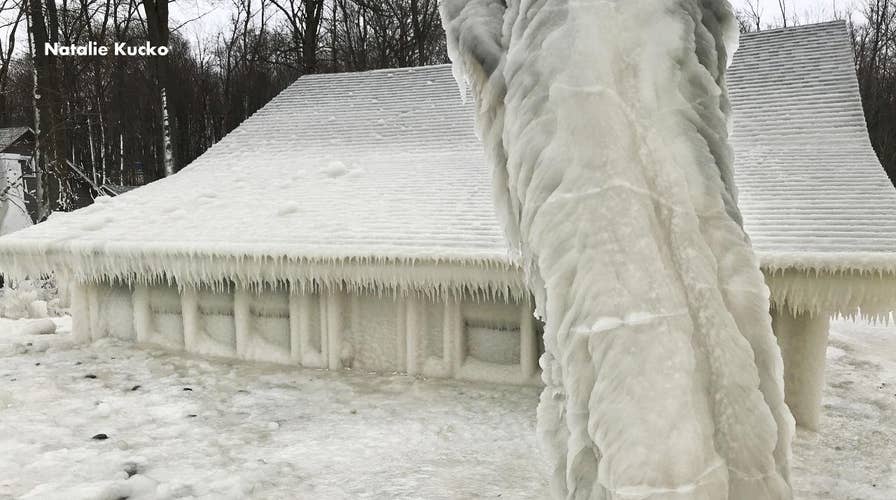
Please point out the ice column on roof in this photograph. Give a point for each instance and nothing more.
(606, 126)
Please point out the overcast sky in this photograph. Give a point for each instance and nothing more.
(808, 11)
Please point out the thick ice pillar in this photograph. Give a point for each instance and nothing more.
(65, 286)
(412, 335)
(189, 306)
(606, 127)
(242, 321)
(528, 342)
(142, 313)
(298, 325)
(80, 312)
(803, 339)
(452, 340)
(334, 330)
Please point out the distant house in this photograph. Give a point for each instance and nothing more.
(18, 207)
(350, 222)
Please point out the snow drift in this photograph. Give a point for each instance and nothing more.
(606, 126)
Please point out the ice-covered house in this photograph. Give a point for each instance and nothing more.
(350, 223)
(16, 178)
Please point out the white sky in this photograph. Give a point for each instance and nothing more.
(210, 16)
(808, 11)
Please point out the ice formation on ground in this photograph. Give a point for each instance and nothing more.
(606, 126)
(262, 431)
(37, 298)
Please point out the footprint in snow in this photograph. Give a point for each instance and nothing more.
(289, 208)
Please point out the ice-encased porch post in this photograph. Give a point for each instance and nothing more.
(605, 123)
(803, 338)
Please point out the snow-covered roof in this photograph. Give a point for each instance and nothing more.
(350, 177)
(812, 191)
(10, 135)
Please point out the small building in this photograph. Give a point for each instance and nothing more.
(350, 223)
(17, 182)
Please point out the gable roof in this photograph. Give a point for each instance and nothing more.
(10, 135)
(348, 177)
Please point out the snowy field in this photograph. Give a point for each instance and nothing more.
(183, 427)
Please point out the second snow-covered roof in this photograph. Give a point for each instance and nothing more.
(10, 135)
(812, 191)
(384, 167)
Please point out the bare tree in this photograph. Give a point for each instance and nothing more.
(7, 48)
(49, 124)
(303, 17)
(754, 13)
(874, 41)
(782, 7)
(158, 34)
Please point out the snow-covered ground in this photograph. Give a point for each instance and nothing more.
(182, 426)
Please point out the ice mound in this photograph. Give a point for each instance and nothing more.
(334, 169)
(606, 124)
(30, 299)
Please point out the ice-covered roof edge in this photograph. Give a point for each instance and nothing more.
(478, 278)
(853, 284)
(845, 291)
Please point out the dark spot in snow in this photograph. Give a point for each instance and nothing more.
(187, 389)
(36, 364)
(12, 380)
(90, 375)
(131, 469)
(243, 391)
(192, 415)
(77, 363)
(100, 437)
(29, 344)
(135, 387)
(354, 411)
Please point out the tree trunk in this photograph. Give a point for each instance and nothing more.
(419, 36)
(158, 35)
(49, 127)
(311, 36)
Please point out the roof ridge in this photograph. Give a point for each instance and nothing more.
(791, 29)
(403, 69)
(18, 127)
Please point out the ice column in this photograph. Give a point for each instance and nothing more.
(606, 125)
